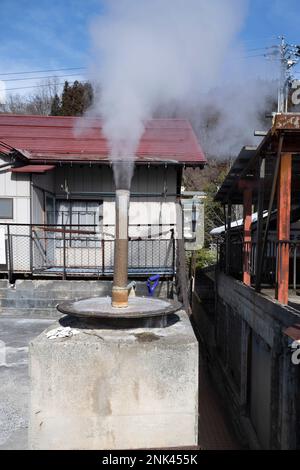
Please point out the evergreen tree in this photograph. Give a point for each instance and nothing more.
(76, 98)
(55, 106)
(74, 101)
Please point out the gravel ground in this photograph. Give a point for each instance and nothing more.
(15, 334)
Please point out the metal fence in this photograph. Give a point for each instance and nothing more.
(242, 257)
(66, 250)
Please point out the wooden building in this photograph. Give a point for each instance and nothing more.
(57, 196)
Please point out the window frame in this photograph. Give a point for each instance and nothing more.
(11, 199)
(72, 243)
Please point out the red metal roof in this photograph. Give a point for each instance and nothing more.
(55, 139)
(32, 169)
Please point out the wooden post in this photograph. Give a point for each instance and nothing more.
(247, 195)
(228, 238)
(260, 222)
(283, 227)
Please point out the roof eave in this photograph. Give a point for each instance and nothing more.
(105, 161)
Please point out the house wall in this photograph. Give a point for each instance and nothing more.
(95, 179)
(42, 185)
(95, 183)
(29, 198)
(17, 187)
(155, 212)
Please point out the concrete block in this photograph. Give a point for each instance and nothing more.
(114, 389)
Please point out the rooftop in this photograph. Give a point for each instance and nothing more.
(283, 137)
(41, 139)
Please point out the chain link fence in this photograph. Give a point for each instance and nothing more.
(72, 250)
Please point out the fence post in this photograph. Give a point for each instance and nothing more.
(9, 251)
(103, 257)
(283, 226)
(246, 248)
(228, 239)
(64, 252)
(31, 249)
(174, 250)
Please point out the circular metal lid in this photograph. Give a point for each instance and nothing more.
(138, 307)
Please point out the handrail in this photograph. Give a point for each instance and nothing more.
(64, 248)
(271, 260)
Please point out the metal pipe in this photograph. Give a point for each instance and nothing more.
(120, 282)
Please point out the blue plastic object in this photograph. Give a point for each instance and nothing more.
(152, 284)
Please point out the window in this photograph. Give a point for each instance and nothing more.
(6, 208)
(78, 214)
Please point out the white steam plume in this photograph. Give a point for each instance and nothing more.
(149, 53)
(176, 58)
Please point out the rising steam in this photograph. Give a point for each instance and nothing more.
(148, 54)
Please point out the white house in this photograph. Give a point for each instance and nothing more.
(57, 196)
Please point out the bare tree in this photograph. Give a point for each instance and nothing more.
(14, 104)
(38, 102)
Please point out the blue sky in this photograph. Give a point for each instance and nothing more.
(47, 34)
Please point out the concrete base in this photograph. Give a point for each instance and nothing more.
(114, 389)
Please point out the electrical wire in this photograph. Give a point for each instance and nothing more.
(262, 48)
(253, 56)
(42, 71)
(32, 86)
(26, 72)
(261, 38)
(267, 55)
(38, 78)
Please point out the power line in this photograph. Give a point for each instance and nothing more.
(42, 71)
(71, 75)
(38, 78)
(262, 48)
(32, 86)
(260, 38)
(254, 56)
(84, 68)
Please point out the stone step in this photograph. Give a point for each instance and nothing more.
(32, 303)
(59, 295)
(40, 294)
(59, 285)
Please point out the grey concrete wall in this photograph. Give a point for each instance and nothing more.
(248, 352)
(115, 389)
(38, 298)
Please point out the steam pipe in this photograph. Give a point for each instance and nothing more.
(120, 282)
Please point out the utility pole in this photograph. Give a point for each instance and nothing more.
(282, 78)
(289, 57)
